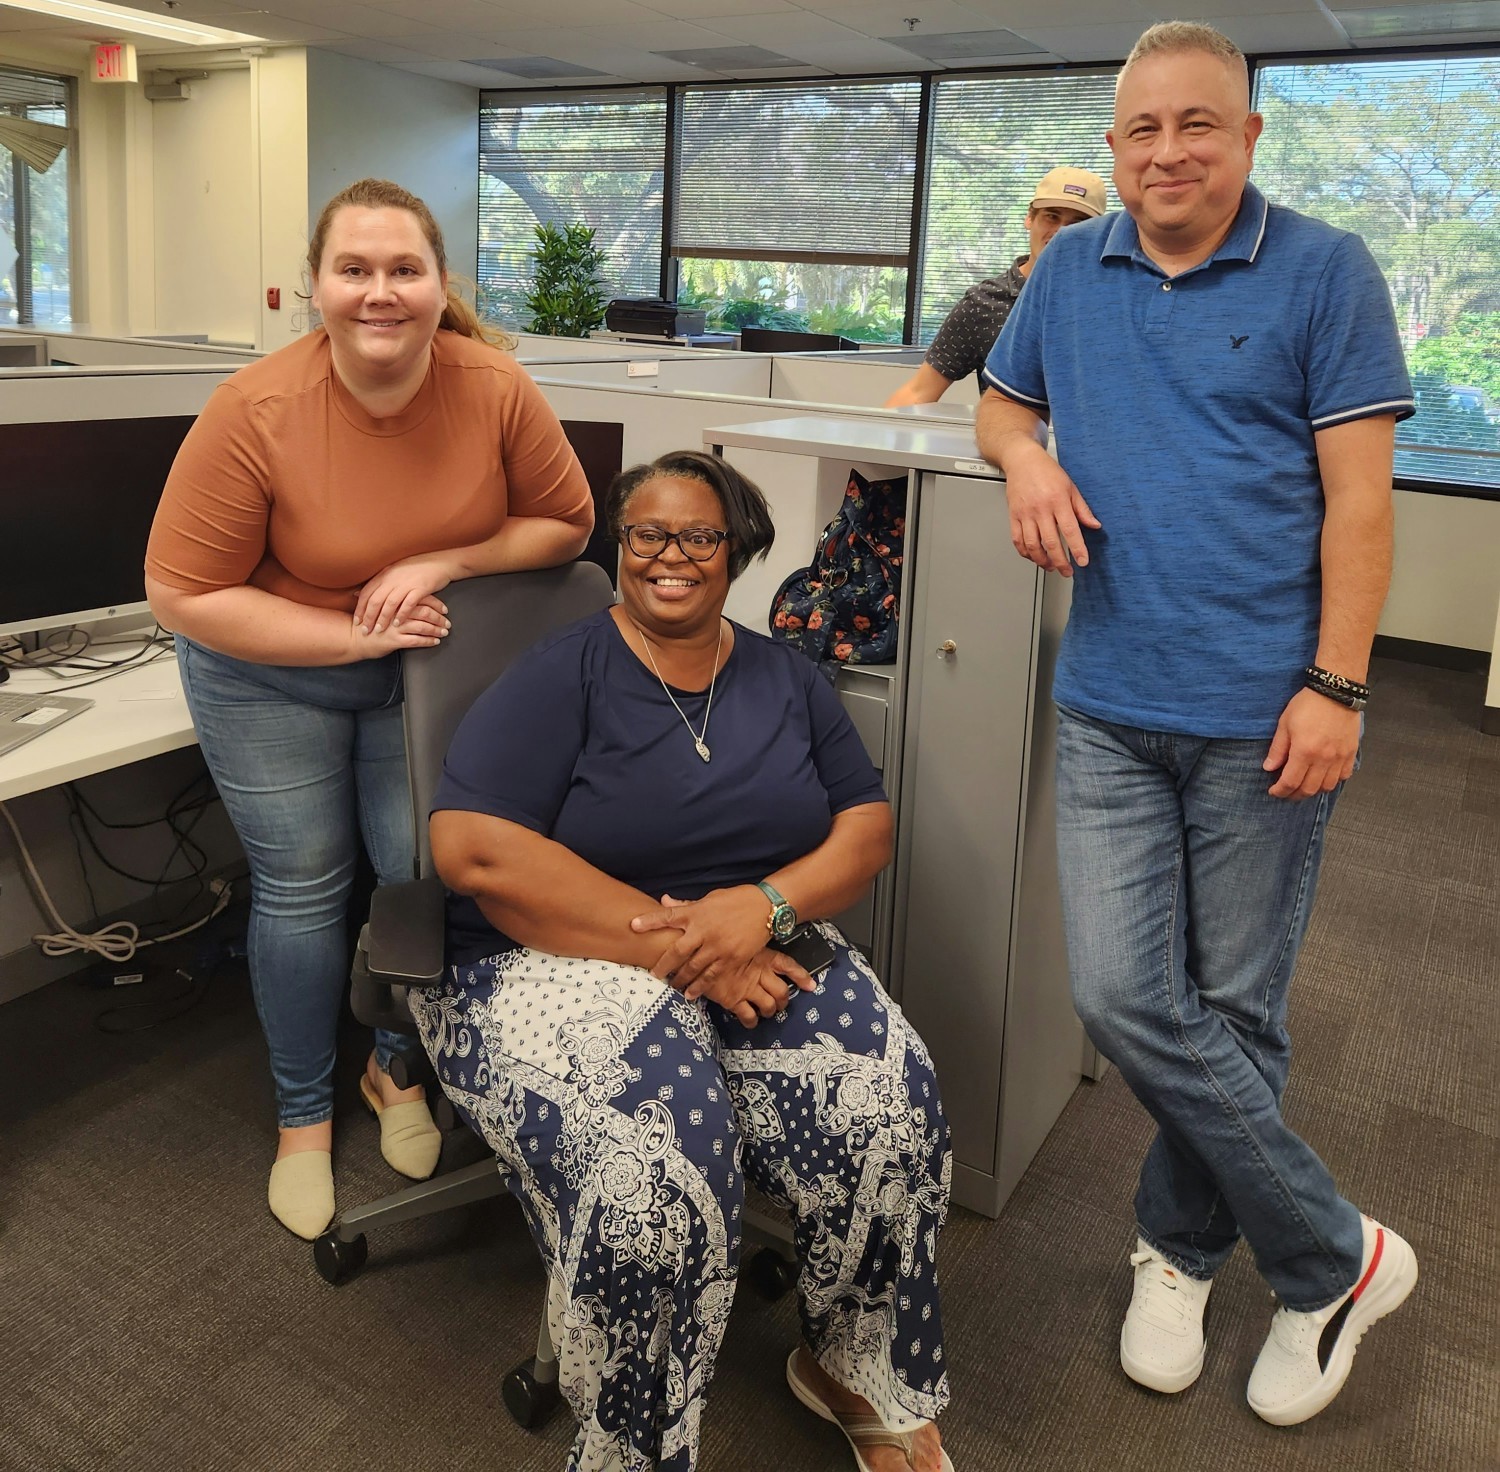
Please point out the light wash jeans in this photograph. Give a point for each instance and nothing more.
(306, 761)
(1186, 891)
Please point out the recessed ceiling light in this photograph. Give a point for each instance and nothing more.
(120, 20)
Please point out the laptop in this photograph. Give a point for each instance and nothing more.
(27, 714)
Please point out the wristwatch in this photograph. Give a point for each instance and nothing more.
(782, 920)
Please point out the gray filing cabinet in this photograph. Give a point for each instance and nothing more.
(965, 926)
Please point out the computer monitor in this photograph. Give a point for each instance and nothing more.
(774, 340)
(76, 502)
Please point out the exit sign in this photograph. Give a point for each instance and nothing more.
(114, 61)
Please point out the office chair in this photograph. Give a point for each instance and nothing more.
(494, 619)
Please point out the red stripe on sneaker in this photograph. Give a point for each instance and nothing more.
(1360, 1286)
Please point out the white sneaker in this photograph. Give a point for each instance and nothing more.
(1307, 1356)
(1161, 1340)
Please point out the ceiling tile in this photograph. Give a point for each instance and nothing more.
(477, 16)
(1107, 43)
(711, 9)
(280, 28)
(889, 17)
(1018, 14)
(459, 45)
(568, 13)
(452, 71)
(204, 10)
(659, 35)
(1260, 33)
(368, 49)
(852, 54)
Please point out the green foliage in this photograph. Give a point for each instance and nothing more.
(879, 324)
(1468, 354)
(740, 312)
(567, 297)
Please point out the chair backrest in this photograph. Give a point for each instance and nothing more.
(494, 618)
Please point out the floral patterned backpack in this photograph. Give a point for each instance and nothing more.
(843, 609)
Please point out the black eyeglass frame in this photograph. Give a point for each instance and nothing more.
(627, 536)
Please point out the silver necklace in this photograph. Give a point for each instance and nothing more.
(699, 743)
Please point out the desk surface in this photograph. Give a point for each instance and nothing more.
(136, 713)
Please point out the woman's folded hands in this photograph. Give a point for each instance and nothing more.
(721, 953)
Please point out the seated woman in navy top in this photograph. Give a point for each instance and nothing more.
(627, 819)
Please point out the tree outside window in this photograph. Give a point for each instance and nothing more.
(1407, 155)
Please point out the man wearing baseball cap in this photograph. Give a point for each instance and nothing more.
(1064, 197)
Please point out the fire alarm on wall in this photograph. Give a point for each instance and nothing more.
(273, 298)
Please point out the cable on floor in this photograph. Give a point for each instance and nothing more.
(116, 942)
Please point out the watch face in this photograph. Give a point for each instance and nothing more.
(783, 921)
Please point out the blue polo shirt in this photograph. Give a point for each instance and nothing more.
(1185, 409)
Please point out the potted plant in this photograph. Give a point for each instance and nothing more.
(567, 297)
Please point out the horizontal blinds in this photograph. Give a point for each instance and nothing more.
(21, 91)
(562, 160)
(993, 138)
(1407, 155)
(803, 172)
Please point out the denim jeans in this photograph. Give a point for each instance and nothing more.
(1186, 890)
(306, 760)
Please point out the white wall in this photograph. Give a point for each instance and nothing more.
(1446, 582)
(205, 214)
(278, 103)
(367, 120)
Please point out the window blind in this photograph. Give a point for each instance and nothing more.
(21, 90)
(568, 158)
(993, 138)
(1406, 153)
(797, 172)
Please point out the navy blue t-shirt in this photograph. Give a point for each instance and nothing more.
(578, 741)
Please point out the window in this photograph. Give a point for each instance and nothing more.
(992, 140)
(794, 205)
(35, 279)
(565, 159)
(1407, 154)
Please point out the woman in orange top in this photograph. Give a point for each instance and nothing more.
(320, 504)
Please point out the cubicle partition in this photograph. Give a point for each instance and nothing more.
(858, 379)
(79, 348)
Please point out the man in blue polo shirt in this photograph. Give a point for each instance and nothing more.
(1224, 378)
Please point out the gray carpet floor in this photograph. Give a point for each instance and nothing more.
(153, 1316)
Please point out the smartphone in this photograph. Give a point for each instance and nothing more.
(808, 948)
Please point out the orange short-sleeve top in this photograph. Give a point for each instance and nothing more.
(284, 482)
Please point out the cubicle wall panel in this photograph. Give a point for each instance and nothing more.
(961, 779)
(49, 396)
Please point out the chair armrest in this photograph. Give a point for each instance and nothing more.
(404, 937)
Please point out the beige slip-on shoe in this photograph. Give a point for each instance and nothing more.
(409, 1140)
(300, 1193)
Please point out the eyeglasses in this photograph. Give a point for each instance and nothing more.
(699, 543)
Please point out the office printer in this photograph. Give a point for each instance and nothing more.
(652, 317)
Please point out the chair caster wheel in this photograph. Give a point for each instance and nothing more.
(529, 1400)
(771, 1275)
(336, 1260)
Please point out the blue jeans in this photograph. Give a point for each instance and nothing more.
(306, 761)
(1186, 891)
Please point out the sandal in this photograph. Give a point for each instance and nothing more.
(860, 1429)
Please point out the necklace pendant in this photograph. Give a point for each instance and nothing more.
(701, 749)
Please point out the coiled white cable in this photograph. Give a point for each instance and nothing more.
(115, 942)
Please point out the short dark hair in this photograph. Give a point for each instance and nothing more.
(747, 518)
